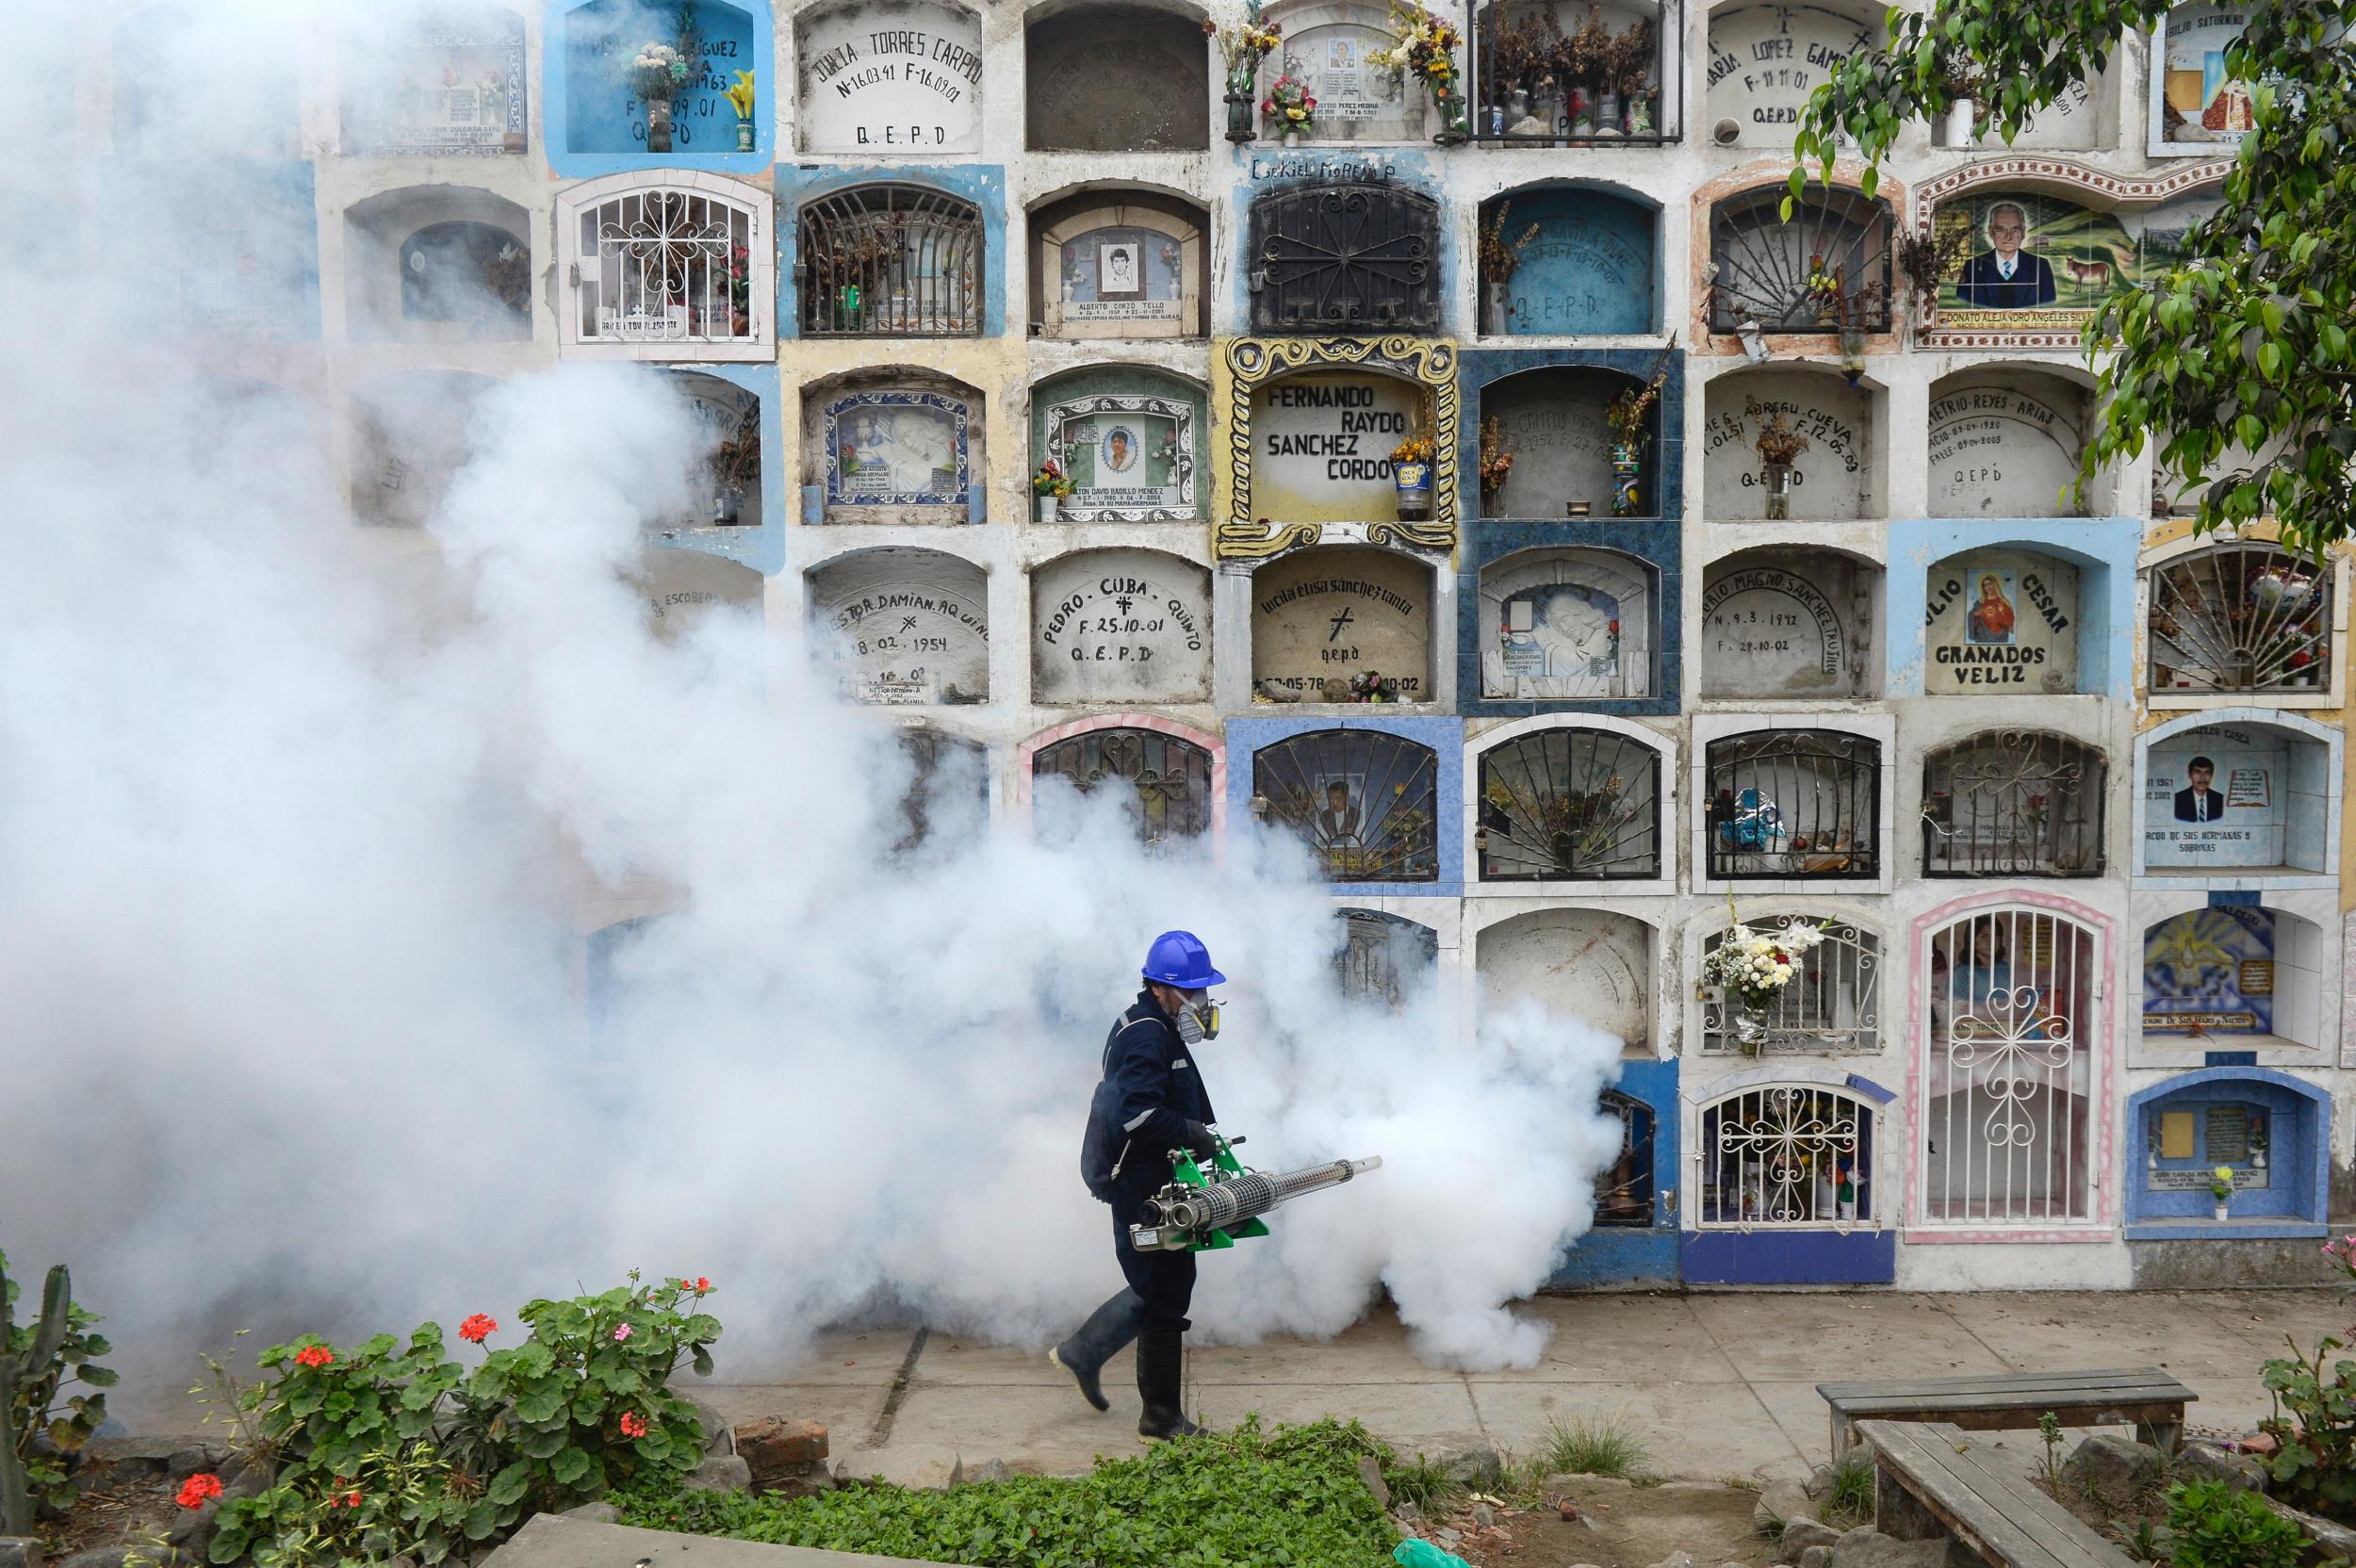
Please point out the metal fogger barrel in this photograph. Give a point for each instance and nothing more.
(1183, 1215)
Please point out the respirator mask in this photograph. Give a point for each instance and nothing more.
(1198, 1016)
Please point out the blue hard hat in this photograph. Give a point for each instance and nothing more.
(1179, 958)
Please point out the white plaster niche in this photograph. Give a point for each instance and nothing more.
(1117, 79)
(1764, 62)
(437, 264)
(413, 432)
(892, 445)
(1568, 804)
(887, 78)
(1121, 626)
(2238, 799)
(1564, 624)
(1327, 623)
(724, 476)
(901, 627)
(1552, 420)
(2084, 117)
(1383, 958)
(1327, 48)
(2234, 977)
(1836, 478)
(2006, 443)
(1129, 439)
(2013, 803)
(447, 82)
(945, 804)
(684, 588)
(1586, 964)
(1790, 623)
(1119, 263)
(2000, 623)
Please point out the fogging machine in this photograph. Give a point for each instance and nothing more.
(1205, 1208)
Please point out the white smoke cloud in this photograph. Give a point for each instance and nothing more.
(303, 825)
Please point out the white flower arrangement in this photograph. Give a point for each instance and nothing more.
(1755, 966)
(657, 72)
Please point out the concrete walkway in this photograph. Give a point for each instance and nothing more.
(1720, 1385)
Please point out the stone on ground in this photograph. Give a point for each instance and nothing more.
(1676, 1560)
(783, 1455)
(19, 1551)
(594, 1513)
(719, 1473)
(2108, 1464)
(1800, 1534)
(1867, 1548)
(1370, 1472)
(1778, 1504)
(1816, 1556)
(2205, 1461)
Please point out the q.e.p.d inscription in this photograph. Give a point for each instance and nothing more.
(1121, 626)
(891, 78)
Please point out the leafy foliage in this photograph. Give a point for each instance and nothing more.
(2238, 360)
(397, 1445)
(2314, 1416)
(1246, 1498)
(44, 1423)
(2211, 1526)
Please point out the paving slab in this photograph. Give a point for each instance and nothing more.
(552, 1541)
(839, 1358)
(1374, 1349)
(2034, 1333)
(1694, 1432)
(1627, 1339)
(1822, 1336)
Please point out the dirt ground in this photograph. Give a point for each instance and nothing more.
(1619, 1525)
(112, 1509)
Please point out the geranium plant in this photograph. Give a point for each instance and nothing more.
(1289, 106)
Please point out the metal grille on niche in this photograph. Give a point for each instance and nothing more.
(1366, 802)
(1793, 803)
(1164, 782)
(1345, 257)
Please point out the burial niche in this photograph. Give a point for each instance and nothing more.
(1119, 265)
(1764, 62)
(2237, 799)
(890, 76)
(2237, 973)
(1552, 421)
(897, 448)
(603, 111)
(1162, 782)
(2031, 261)
(1586, 964)
(1788, 624)
(1113, 78)
(1121, 626)
(1322, 443)
(946, 804)
(437, 264)
(445, 84)
(1127, 440)
(1386, 960)
(904, 625)
(2197, 106)
(1561, 624)
(724, 482)
(891, 261)
(2243, 618)
(1569, 805)
(1364, 801)
(1804, 438)
(416, 431)
(1998, 623)
(2007, 444)
(1581, 263)
(685, 587)
(2013, 803)
(1345, 257)
(1793, 803)
(1341, 626)
(1579, 72)
(1327, 48)
(1766, 268)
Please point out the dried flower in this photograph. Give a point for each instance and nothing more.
(198, 1489)
(478, 1328)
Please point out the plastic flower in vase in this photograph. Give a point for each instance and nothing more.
(1289, 107)
(1753, 966)
(1243, 46)
(1051, 481)
(657, 73)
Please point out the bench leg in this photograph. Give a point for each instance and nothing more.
(1842, 1437)
(1898, 1514)
(2167, 1436)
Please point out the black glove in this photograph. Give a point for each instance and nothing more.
(1201, 1140)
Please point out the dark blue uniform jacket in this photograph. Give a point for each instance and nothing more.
(1150, 1089)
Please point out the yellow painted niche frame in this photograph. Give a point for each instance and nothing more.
(1247, 364)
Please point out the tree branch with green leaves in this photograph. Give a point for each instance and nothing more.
(2236, 360)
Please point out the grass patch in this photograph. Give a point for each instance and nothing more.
(1420, 1481)
(1594, 1446)
(1849, 1501)
(1246, 1497)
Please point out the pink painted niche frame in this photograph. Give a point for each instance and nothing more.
(2104, 1223)
(1027, 751)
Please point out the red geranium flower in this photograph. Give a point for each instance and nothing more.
(198, 1489)
(634, 1424)
(315, 1355)
(702, 1284)
(477, 1329)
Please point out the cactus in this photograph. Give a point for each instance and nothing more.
(49, 1332)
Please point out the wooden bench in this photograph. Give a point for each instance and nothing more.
(1931, 1482)
(2143, 1395)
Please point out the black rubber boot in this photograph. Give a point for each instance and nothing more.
(1097, 1341)
(1161, 1382)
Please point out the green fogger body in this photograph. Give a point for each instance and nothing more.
(1205, 1208)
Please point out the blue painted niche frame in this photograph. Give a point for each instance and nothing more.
(959, 416)
(761, 549)
(984, 185)
(2299, 1147)
(1478, 367)
(1637, 1254)
(558, 105)
(1247, 738)
(2104, 550)
(1658, 544)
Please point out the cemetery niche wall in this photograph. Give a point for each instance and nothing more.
(1327, 48)
(1591, 965)
(1117, 79)
(1572, 73)
(1341, 626)
(1165, 784)
(1310, 425)
(1764, 62)
(946, 802)
(1787, 1188)
(2034, 259)
(889, 76)
(1789, 623)
(1584, 264)
(2006, 443)
(2238, 799)
(2272, 1130)
(1119, 263)
(1129, 438)
(1833, 1009)
(1760, 271)
(2233, 974)
(445, 84)
(2013, 803)
(903, 627)
(1121, 626)
(414, 431)
(1799, 803)
(602, 112)
(898, 446)
(2242, 618)
(1567, 623)
(1344, 256)
(2196, 108)
(1568, 804)
(2001, 622)
(437, 264)
(679, 267)
(1364, 801)
(231, 256)
(891, 260)
(683, 587)
(1833, 475)
(1553, 420)
(164, 110)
